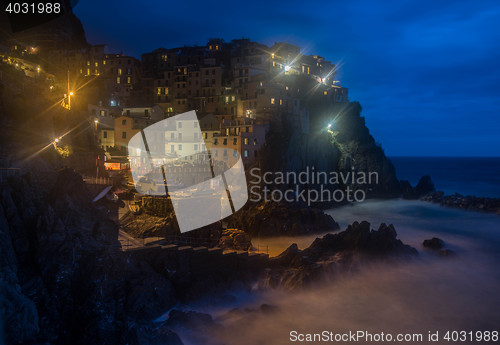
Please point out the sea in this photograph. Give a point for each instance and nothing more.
(476, 176)
(429, 295)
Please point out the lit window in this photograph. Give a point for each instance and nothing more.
(129, 80)
(272, 55)
(286, 88)
(272, 100)
(274, 64)
(281, 102)
(118, 80)
(159, 91)
(103, 62)
(96, 64)
(246, 141)
(325, 93)
(119, 71)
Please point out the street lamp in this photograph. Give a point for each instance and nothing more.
(69, 99)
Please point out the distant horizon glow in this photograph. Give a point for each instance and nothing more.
(425, 74)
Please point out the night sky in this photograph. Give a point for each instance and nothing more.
(426, 72)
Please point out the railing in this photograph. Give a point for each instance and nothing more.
(98, 180)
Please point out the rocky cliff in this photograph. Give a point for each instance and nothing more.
(63, 277)
(335, 254)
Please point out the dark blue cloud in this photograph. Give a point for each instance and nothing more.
(426, 72)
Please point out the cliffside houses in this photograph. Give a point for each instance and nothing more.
(236, 88)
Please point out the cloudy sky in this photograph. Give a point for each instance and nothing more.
(426, 72)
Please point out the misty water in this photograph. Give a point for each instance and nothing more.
(431, 293)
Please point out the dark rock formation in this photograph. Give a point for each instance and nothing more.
(335, 253)
(424, 187)
(437, 245)
(235, 239)
(433, 243)
(472, 203)
(63, 276)
(277, 219)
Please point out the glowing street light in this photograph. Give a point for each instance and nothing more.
(287, 68)
(69, 99)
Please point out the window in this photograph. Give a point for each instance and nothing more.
(172, 149)
(273, 100)
(225, 141)
(103, 113)
(129, 80)
(179, 124)
(179, 147)
(245, 153)
(104, 134)
(195, 136)
(247, 129)
(124, 135)
(129, 71)
(124, 122)
(195, 124)
(246, 141)
(235, 153)
(196, 147)
(172, 136)
(118, 80)
(225, 153)
(235, 141)
(179, 136)
(119, 71)
(215, 142)
(255, 142)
